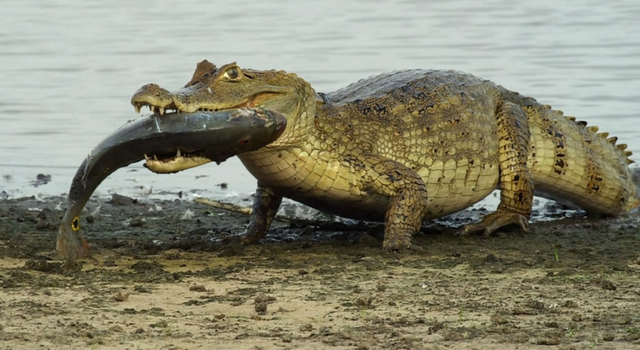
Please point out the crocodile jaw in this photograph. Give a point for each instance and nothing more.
(175, 164)
(172, 103)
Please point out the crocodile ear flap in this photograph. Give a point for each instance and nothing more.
(204, 71)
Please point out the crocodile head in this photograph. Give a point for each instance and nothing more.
(230, 87)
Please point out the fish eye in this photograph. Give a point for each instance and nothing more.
(75, 224)
(232, 73)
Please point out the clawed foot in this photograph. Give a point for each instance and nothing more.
(394, 243)
(249, 237)
(256, 229)
(494, 221)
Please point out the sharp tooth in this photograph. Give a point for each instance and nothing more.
(178, 154)
(161, 111)
(146, 157)
(152, 109)
(137, 108)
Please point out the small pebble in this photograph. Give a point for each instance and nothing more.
(117, 199)
(121, 296)
(607, 285)
(498, 319)
(261, 301)
(42, 224)
(198, 288)
(261, 308)
(136, 222)
(364, 300)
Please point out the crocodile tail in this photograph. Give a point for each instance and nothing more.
(632, 175)
(611, 153)
(614, 154)
(635, 176)
(571, 161)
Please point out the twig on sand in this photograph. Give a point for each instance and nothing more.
(224, 206)
(237, 209)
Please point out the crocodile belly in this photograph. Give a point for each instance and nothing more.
(317, 181)
(452, 190)
(334, 187)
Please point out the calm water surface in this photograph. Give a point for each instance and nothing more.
(69, 68)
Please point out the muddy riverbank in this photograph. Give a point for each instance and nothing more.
(168, 274)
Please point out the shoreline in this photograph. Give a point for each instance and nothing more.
(169, 274)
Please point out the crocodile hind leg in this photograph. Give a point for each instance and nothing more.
(516, 185)
(407, 193)
(265, 206)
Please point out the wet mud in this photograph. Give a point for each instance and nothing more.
(170, 274)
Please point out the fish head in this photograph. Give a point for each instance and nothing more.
(70, 244)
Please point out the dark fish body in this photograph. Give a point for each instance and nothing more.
(203, 136)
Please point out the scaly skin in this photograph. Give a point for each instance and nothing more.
(410, 145)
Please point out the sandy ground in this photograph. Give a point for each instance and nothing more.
(161, 279)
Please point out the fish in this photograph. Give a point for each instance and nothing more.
(168, 143)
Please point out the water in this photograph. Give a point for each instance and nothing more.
(69, 68)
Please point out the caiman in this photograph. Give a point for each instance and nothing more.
(410, 145)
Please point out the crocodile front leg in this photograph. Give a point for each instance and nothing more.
(265, 206)
(516, 185)
(408, 198)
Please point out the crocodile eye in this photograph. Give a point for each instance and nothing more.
(232, 74)
(75, 224)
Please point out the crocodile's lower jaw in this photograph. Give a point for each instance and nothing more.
(175, 164)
